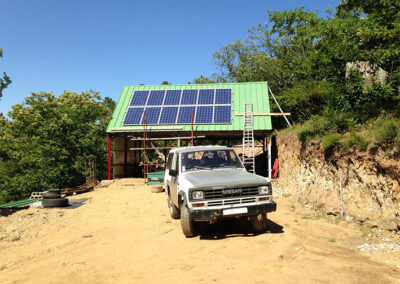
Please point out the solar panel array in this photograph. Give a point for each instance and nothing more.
(206, 106)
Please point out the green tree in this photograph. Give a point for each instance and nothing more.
(202, 80)
(5, 81)
(46, 141)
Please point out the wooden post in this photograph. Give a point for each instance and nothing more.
(269, 158)
(287, 121)
(109, 156)
(300, 182)
(191, 113)
(126, 157)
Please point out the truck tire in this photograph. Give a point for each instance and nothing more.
(188, 225)
(259, 224)
(173, 209)
(55, 202)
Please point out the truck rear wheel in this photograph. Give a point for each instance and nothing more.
(173, 209)
(188, 225)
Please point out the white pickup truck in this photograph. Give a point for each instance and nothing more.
(208, 183)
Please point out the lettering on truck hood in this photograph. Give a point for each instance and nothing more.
(225, 177)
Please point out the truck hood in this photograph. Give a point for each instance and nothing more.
(223, 177)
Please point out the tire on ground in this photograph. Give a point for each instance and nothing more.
(51, 194)
(188, 225)
(55, 202)
(175, 214)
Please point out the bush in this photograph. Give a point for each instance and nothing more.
(331, 141)
(358, 141)
(388, 134)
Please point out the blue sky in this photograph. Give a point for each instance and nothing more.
(56, 45)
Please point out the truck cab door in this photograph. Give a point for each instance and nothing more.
(174, 180)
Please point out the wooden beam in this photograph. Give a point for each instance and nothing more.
(141, 128)
(147, 148)
(168, 138)
(266, 114)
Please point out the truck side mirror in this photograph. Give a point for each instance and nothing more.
(172, 173)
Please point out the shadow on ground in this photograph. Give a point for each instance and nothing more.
(234, 228)
(75, 203)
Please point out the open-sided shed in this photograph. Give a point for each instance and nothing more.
(161, 112)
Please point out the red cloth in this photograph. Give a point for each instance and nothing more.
(275, 168)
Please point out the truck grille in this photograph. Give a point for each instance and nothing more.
(231, 201)
(230, 192)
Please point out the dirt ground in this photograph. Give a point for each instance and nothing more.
(124, 234)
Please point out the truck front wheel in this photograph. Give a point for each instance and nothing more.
(188, 225)
(259, 224)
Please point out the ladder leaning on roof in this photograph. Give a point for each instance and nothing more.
(248, 138)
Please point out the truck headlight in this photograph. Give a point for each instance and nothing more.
(264, 189)
(198, 194)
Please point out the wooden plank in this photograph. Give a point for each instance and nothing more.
(147, 148)
(141, 128)
(266, 114)
(169, 138)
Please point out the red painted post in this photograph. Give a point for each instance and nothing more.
(109, 157)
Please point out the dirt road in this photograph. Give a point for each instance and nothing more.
(124, 234)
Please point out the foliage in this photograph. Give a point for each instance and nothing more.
(303, 57)
(202, 80)
(5, 81)
(45, 143)
(388, 133)
(331, 141)
(358, 141)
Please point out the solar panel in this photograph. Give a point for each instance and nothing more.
(189, 97)
(156, 98)
(177, 106)
(185, 114)
(222, 114)
(150, 115)
(139, 98)
(223, 96)
(204, 114)
(168, 115)
(172, 97)
(133, 116)
(206, 97)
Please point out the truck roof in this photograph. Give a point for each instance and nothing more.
(200, 148)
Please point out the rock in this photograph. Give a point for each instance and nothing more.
(387, 224)
(397, 220)
(157, 189)
(370, 224)
(349, 218)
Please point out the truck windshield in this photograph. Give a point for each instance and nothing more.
(200, 160)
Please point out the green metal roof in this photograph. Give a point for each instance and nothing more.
(255, 92)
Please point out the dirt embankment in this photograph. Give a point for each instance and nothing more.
(370, 181)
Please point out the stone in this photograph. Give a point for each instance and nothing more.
(157, 189)
(349, 218)
(370, 224)
(387, 224)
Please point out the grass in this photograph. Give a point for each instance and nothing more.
(332, 240)
(16, 239)
(341, 132)
(366, 231)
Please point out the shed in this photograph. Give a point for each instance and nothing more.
(139, 116)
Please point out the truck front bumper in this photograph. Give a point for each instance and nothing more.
(208, 214)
